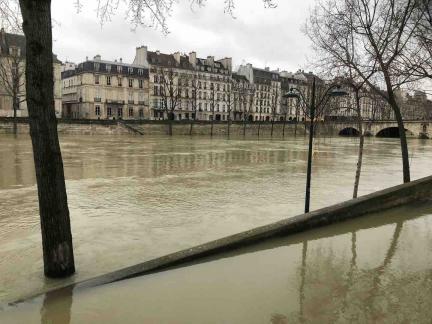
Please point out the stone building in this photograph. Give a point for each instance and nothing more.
(267, 92)
(243, 96)
(12, 76)
(414, 105)
(199, 88)
(99, 89)
(291, 108)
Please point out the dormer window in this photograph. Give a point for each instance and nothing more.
(108, 67)
(119, 69)
(130, 70)
(96, 66)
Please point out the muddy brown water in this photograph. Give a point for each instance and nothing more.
(135, 198)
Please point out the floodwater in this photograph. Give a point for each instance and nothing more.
(135, 198)
(376, 269)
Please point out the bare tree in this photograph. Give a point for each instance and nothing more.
(248, 104)
(170, 92)
(213, 102)
(230, 104)
(194, 100)
(275, 102)
(381, 31)
(12, 80)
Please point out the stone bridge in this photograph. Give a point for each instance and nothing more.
(414, 128)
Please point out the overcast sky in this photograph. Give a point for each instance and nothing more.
(264, 37)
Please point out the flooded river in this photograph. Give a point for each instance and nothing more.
(375, 269)
(135, 198)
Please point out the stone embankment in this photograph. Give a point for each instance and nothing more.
(414, 129)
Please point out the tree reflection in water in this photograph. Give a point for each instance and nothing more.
(56, 307)
(331, 292)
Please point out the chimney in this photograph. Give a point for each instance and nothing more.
(3, 36)
(141, 56)
(267, 68)
(210, 60)
(86, 58)
(157, 52)
(227, 63)
(121, 60)
(192, 58)
(97, 57)
(177, 57)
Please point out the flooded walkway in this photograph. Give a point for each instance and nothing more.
(376, 269)
(136, 198)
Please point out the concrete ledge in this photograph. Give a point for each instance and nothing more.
(417, 190)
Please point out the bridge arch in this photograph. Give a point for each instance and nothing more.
(393, 132)
(349, 131)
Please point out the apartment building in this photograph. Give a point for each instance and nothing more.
(186, 86)
(100, 89)
(12, 77)
(267, 97)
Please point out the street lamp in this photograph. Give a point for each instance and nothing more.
(333, 91)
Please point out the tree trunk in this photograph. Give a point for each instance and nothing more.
(15, 108)
(283, 128)
(191, 126)
(211, 127)
(403, 140)
(54, 213)
(272, 125)
(170, 123)
(259, 126)
(228, 127)
(361, 144)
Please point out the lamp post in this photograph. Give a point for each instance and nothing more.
(333, 91)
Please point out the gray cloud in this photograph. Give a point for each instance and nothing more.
(264, 37)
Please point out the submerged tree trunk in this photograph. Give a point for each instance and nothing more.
(361, 144)
(211, 127)
(259, 126)
(272, 125)
(228, 126)
(15, 108)
(283, 128)
(244, 127)
(53, 208)
(170, 123)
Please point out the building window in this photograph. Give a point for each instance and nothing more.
(96, 77)
(119, 81)
(140, 83)
(119, 69)
(108, 67)
(140, 71)
(119, 112)
(141, 113)
(130, 70)
(97, 110)
(131, 113)
(109, 112)
(96, 66)
(108, 80)
(130, 83)
(156, 90)
(155, 79)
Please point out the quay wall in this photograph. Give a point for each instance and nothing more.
(414, 129)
